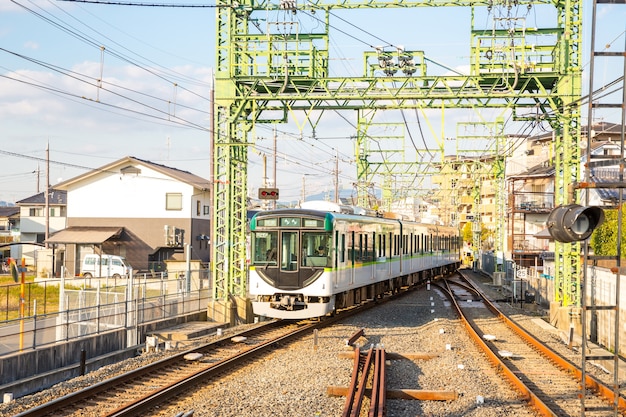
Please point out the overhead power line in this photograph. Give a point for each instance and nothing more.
(142, 4)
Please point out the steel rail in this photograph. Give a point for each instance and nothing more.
(590, 382)
(528, 394)
(379, 386)
(347, 407)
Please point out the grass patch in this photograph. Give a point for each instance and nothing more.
(47, 297)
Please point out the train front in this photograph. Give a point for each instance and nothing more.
(291, 264)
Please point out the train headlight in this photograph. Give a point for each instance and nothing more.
(573, 222)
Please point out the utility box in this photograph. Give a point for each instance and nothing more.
(498, 277)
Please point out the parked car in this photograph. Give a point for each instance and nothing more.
(104, 266)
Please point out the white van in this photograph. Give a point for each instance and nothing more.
(112, 266)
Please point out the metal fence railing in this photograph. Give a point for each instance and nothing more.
(64, 309)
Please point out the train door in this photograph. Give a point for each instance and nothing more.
(289, 251)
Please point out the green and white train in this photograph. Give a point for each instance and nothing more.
(307, 263)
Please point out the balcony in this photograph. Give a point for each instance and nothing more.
(543, 203)
(529, 244)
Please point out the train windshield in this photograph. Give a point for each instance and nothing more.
(264, 248)
(315, 248)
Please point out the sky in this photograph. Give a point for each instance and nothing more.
(156, 66)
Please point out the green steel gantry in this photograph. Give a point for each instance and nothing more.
(270, 69)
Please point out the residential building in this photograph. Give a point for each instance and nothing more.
(531, 191)
(9, 229)
(143, 211)
(33, 215)
(33, 222)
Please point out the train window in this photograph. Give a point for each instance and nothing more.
(316, 249)
(355, 248)
(264, 247)
(267, 222)
(289, 251)
(311, 223)
(351, 247)
(374, 256)
(383, 246)
(342, 252)
(360, 249)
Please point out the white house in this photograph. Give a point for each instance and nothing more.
(143, 211)
(33, 222)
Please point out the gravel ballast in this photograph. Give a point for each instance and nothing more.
(293, 380)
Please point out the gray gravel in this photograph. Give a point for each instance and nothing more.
(293, 381)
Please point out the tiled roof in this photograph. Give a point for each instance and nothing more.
(605, 174)
(56, 198)
(9, 211)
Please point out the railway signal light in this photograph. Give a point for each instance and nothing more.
(573, 222)
(268, 193)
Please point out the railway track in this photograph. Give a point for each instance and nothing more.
(550, 383)
(135, 392)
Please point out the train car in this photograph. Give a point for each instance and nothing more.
(306, 263)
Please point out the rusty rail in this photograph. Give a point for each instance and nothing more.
(358, 384)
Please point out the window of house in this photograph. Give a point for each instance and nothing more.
(173, 201)
(198, 207)
(206, 210)
(35, 212)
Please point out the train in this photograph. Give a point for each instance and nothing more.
(309, 262)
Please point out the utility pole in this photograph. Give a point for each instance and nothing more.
(275, 185)
(303, 188)
(337, 177)
(47, 192)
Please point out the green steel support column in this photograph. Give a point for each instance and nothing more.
(567, 152)
(499, 176)
(498, 171)
(477, 175)
(363, 173)
(387, 187)
(228, 249)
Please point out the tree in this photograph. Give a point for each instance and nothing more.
(604, 239)
(466, 232)
(468, 235)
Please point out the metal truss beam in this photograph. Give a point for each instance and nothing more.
(264, 79)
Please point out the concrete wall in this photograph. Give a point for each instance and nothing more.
(601, 291)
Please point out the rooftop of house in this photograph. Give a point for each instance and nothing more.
(130, 164)
(9, 211)
(56, 198)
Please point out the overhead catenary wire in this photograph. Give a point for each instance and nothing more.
(307, 138)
